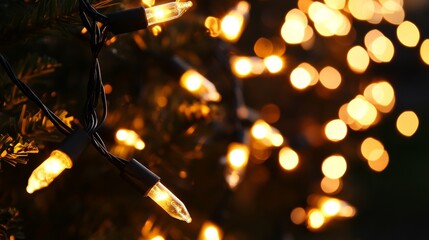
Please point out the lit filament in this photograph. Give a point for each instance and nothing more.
(198, 85)
(44, 174)
(166, 12)
(170, 203)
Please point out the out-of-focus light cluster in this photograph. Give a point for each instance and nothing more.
(373, 151)
(303, 76)
(231, 26)
(324, 210)
(130, 138)
(266, 135)
(151, 231)
(253, 66)
(288, 158)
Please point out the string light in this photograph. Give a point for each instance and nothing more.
(232, 24)
(198, 85)
(236, 159)
(166, 12)
(210, 231)
(130, 138)
(60, 159)
(148, 183)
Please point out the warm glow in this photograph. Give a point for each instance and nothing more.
(261, 130)
(336, 130)
(303, 76)
(247, 66)
(158, 237)
(330, 186)
(335, 4)
(232, 24)
(328, 21)
(393, 12)
(381, 49)
(130, 138)
(424, 51)
(315, 219)
(361, 9)
(298, 215)
(238, 155)
(197, 84)
(46, 172)
(288, 158)
(331, 207)
(358, 59)
(213, 25)
(166, 12)
(148, 3)
(381, 163)
(362, 111)
(330, 77)
(303, 5)
(293, 29)
(408, 34)
(334, 167)
(371, 149)
(263, 47)
(169, 202)
(274, 64)
(210, 231)
(276, 138)
(243, 66)
(407, 123)
(382, 95)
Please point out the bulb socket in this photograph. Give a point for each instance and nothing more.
(139, 176)
(74, 144)
(126, 21)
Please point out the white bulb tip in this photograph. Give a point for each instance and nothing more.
(188, 220)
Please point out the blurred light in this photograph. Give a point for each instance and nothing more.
(238, 155)
(408, 34)
(276, 139)
(424, 51)
(330, 186)
(407, 123)
(334, 167)
(293, 29)
(381, 163)
(393, 12)
(198, 85)
(130, 138)
(358, 59)
(148, 3)
(370, 37)
(315, 219)
(362, 111)
(303, 5)
(382, 95)
(273, 63)
(247, 66)
(159, 237)
(382, 49)
(288, 158)
(260, 129)
(331, 207)
(270, 113)
(303, 76)
(347, 211)
(263, 47)
(213, 25)
(156, 30)
(335, 4)
(377, 17)
(371, 149)
(210, 231)
(330, 78)
(361, 9)
(336, 130)
(344, 115)
(328, 21)
(232, 24)
(298, 215)
(108, 88)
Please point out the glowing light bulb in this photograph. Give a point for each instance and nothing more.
(232, 24)
(44, 174)
(166, 12)
(198, 85)
(169, 202)
(236, 159)
(210, 231)
(130, 138)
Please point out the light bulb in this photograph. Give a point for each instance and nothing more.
(198, 85)
(232, 24)
(236, 160)
(44, 174)
(166, 12)
(169, 202)
(210, 231)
